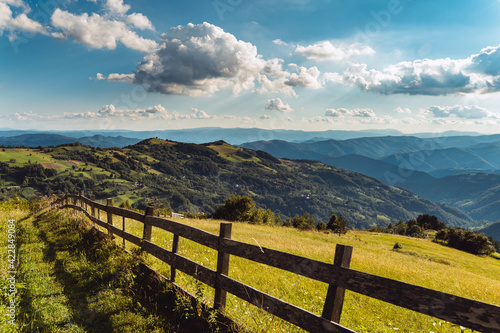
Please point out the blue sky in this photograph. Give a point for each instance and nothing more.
(302, 64)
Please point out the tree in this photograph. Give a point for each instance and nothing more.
(427, 222)
(125, 204)
(416, 231)
(337, 224)
(236, 208)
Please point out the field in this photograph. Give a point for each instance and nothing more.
(420, 262)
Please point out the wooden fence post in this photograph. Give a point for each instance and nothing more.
(146, 233)
(75, 203)
(92, 208)
(222, 266)
(83, 204)
(175, 248)
(109, 202)
(123, 228)
(335, 297)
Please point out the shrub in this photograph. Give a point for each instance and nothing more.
(337, 224)
(303, 222)
(321, 226)
(397, 246)
(262, 216)
(465, 240)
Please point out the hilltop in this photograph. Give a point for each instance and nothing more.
(198, 178)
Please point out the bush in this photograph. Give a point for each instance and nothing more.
(465, 240)
(397, 246)
(262, 216)
(242, 209)
(303, 222)
(416, 231)
(321, 226)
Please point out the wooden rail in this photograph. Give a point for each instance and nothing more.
(472, 314)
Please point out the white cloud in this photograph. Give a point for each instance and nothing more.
(5, 16)
(116, 77)
(19, 23)
(199, 114)
(461, 111)
(278, 105)
(279, 42)
(341, 112)
(202, 59)
(139, 21)
(479, 73)
(402, 110)
(99, 32)
(274, 78)
(325, 50)
(117, 7)
(305, 77)
(265, 117)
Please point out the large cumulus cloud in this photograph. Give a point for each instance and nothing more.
(195, 59)
(202, 59)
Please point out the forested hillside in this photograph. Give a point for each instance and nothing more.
(198, 178)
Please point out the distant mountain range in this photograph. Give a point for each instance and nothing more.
(35, 140)
(461, 171)
(236, 136)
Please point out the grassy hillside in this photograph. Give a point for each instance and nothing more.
(420, 262)
(197, 178)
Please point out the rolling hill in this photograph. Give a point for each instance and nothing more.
(481, 157)
(198, 178)
(375, 148)
(385, 172)
(492, 230)
(477, 194)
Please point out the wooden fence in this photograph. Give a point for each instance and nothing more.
(472, 314)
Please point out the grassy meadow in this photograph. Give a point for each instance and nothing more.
(420, 262)
(48, 266)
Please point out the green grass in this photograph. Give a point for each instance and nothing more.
(421, 262)
(70, 281)
(22, 156)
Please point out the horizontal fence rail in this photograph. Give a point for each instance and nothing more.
(472, 314)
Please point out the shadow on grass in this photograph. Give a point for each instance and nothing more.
(64, 244)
